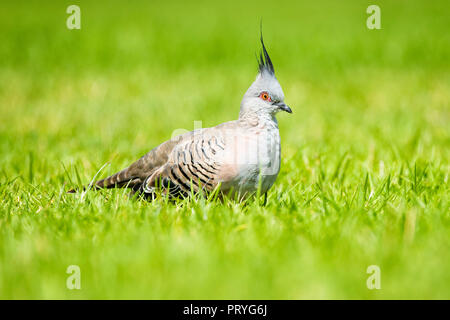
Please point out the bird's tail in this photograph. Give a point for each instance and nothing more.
(117, 180)
(120, 179)
(138, 171)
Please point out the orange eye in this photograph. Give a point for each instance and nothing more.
(265, 96)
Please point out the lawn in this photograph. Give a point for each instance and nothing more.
(365, 154)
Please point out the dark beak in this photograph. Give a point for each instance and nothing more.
(284, 107)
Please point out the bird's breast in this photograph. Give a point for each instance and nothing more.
(255, 155)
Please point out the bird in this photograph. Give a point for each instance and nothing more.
(240, 157)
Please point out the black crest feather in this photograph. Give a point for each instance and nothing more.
(264, 62)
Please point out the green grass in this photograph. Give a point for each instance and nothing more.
(364, 175)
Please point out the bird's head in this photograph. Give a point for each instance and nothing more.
(265, 94)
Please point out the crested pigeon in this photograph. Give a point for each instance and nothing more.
(238, 157)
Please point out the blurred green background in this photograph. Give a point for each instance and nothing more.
(364, 176)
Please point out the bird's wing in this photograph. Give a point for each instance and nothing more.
(195, 163)
(194, 159)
